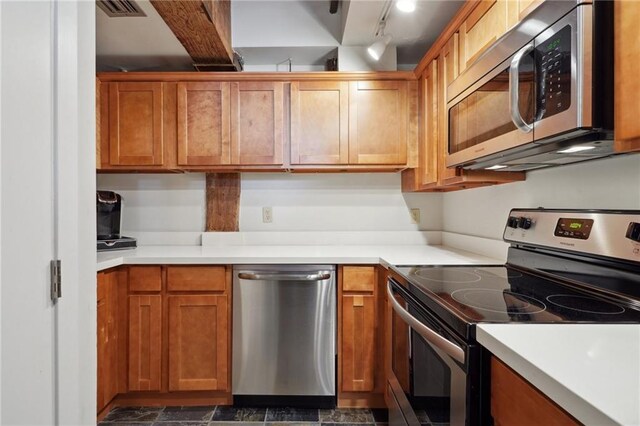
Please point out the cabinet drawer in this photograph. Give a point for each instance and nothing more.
(145, 278)
(196, 278)
(358, 278)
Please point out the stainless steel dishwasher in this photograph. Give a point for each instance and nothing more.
(284, 335)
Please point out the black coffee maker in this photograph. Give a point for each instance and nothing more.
(109, 219)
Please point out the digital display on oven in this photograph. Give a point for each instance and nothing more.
(573, 228)
(553, 60)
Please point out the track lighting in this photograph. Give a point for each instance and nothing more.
(378, 47)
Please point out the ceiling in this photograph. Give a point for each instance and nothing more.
(267, 32)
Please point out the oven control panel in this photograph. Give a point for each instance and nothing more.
(614, 234)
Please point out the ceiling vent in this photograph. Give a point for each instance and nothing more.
(120, 8)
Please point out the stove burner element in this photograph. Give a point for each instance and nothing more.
(447, 275)
(511, 273)
(585, 304)
(501, 301)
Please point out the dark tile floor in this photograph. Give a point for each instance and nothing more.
(231, 416)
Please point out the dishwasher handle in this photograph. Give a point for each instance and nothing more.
(448, 347)
(320, 276)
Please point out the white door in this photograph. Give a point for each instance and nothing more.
(47, 180)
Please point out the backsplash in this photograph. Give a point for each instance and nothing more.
(612, 183)
(300, 202)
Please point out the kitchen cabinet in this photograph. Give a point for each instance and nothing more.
(145, 342)
(519, 9)
(361, 374)
(627, 84)
(429, 148)
(378, 122)
(203, 123)
(319, 122)
(514, 401)
(257, 123)
(135, 124)
(486, 23)
(198, 342)
(107, 339)
(222, 123)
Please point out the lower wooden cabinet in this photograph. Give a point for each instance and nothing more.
(515, 402)
(361, 372)
(358, 342)
(198, 342)
(107, 339)
(145, 342)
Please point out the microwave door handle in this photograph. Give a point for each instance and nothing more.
(514, 89)
(448, 347)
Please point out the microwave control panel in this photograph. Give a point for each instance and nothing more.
(553, 57)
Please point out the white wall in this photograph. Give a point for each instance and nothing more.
(612, 183)
(356, 58)
(300, 202)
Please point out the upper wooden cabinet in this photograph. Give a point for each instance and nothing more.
(203, 124)
(257, 123)
(319, 122)
(378, 122)
(220, 124)
(486, 23)
(429, 148)
(627, 83)
(135, 124)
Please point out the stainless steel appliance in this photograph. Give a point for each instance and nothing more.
(541, 96)
(109, 221)
(563, 266)
(284, 335)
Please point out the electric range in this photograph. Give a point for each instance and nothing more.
(563, 266)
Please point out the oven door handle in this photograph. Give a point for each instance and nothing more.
(514, 89)
(448, 347)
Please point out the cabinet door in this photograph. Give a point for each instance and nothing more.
(257, 123)
(378, 121)
(107, 350)
(203, 124)
(145, 342)
(429, 137)
(319, 122)
(519, 9)
(449, 71)
(627, 83)
(487, 22)
(135, 124)
(198, 342)
(358, 343)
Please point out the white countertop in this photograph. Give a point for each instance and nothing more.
(590, 370)
(293, 254)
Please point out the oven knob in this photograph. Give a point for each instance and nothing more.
(524, 223)
(633, 231)
(512, 222)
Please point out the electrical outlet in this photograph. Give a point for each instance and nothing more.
(267, 215)
(415, 215)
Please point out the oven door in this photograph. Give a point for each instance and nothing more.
(434, 371)
(496, 113)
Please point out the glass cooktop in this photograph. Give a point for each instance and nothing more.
(471, 294)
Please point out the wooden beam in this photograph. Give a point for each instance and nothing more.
(223, 202)
(203, 27)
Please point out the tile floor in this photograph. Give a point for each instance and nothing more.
(231, 416)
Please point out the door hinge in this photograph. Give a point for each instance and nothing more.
(56, 280)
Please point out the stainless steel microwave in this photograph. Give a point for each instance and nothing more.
(541, 96)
